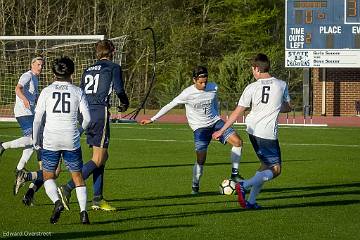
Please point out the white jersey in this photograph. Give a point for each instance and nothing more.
(201, 106)
(61, 102)
(30, 83)
(265, 97)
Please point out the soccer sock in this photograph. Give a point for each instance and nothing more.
(26, 155)
(255, 190)
(36, 185)
(34, 176)
(197, 173)
(50, 188)
(235, 159)
(87, 169)
(258, 178)
(82, 197)
(98, 180)
(18, 143)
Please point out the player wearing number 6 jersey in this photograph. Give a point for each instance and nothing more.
(98, 81)
(267, 97)
(200, 100)
(60, 103)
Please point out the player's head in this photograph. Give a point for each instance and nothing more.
(37, 64)
(260, 63)
(63, 68)
(200, 77)
(104, 49)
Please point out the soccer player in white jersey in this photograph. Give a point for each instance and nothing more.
(201, 107)
(26, 95)
(267, 97)
(60, 103)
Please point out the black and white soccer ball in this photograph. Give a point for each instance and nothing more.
(227, 187)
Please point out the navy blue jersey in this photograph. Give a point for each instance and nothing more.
(100, 79)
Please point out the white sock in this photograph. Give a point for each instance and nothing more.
(50, 188)
(197, 173)
(33, 186)
(26, 155)
(235, 158)
(255, 190)
(18, 143)
(81, 197)
(258, 178)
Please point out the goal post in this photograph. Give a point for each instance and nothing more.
(16, 53)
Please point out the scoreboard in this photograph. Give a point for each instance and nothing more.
(323, 33)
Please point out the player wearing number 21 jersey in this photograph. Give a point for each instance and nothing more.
(98, 81)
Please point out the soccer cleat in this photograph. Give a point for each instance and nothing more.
(241, 194)
(20, 180)
(84, 218)
(58, 208)
(28, 198)
(195, 190)
(102, 205)
(236, 177)
(254, 206)
(64, 196)
(2, 149)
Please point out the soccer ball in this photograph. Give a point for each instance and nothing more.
(227, 187)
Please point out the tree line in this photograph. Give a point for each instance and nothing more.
(221, 35)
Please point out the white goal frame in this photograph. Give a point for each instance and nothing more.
(67, 41)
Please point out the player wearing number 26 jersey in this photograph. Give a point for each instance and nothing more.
(60, 103)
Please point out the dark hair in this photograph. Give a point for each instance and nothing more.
(262, 62)
(104, 49)
(200, 71)
(63, 67)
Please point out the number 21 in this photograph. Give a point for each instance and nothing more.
(92, 83)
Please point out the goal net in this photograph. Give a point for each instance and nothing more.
(16, 53)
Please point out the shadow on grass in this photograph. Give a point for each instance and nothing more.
(230, 211)
(311, 188)
(192, 164)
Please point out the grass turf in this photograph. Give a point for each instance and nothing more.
(148, 178)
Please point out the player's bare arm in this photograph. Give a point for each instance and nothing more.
(19, 90)
(232, 118)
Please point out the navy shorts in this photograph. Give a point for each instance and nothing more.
(203, 136)
(72, 159)
(267, 150)
(26, 124)
(98, 131)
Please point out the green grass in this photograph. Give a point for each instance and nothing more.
(148, 178)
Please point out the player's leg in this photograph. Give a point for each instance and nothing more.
(268, 151)
(50, 161)
(73, 161)
(202, 138)
(100, 155)
(25, 123)
(234, 139)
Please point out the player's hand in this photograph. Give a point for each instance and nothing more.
(36, 146)
(123, 107)
(216, 135)
(145, 121)
(27, 104)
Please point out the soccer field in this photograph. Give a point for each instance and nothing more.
(148, 178)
